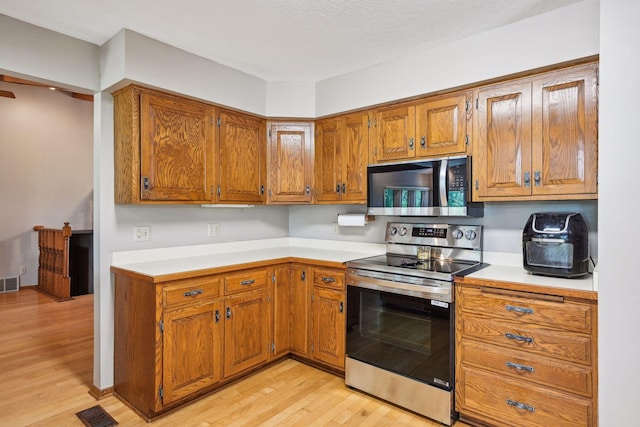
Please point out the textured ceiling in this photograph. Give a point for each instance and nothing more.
(286, 40)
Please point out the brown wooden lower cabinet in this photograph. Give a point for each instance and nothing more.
(525, 358)
(178, 339)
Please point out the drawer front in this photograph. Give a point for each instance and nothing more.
(515, 403)
(329, 278)
(245, 281)
(187, 291)
(569, 346)
(507, 305)
(522, 365)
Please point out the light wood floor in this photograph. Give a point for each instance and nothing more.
(46, 362)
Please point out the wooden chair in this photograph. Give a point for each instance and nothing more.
(53, 269)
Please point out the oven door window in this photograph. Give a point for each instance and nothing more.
(403, 334)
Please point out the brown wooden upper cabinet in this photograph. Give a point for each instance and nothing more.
(536, 138)
(163, 148)
(435, 126)
(341, 156)
(290, 165)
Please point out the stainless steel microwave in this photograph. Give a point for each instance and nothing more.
(433, 187)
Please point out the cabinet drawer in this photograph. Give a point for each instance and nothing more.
(521, 365)
(566, 345)
(190, 290)
(328, 278)
(515, 403)
(244, 281)
(508, 305)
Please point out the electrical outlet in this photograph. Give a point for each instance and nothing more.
(141, 233)
(213, 230)
(335, 228)
(23, 269)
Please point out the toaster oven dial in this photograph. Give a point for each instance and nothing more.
(457, 234)
(403, 231)
(393, 231)
(470, 235)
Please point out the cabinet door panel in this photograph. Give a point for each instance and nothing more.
(565, 160)
(246, 332)
(395, 134)
(502, 150)
(300, 310)
(328, 161)
(242, 171)
(282, 311)
(355, 158)
(176, 149)
(192, 350)
(290, 163)
(329, 326)
(442, 126)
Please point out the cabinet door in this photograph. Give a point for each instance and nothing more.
(241, 152)
(355, 158)
(176, 149)
(328, 327)
(246, 332)
(300, 310)
(281, 310)
(441, 125)
(290, 166)
(395, 134)
(502, 145)
(192, 350)
(328, 161)
(565, 133)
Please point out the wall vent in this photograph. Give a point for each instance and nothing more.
(9, 284)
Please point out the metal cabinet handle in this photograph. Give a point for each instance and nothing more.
(411, 143)
(193, 293)
(308, 189)
(423, 142)
(328, 279)
(262, 189)
(337, 188)
(519, 367)
(248, 282)
(341, 307)
(217, 316)
(518, 337)
(527, 179)
(536, 178)
(344, 188)
(145, 183)
(303, 276)
(520, 405)
(228, 312)
(520, 310)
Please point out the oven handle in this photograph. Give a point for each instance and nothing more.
(421, 291)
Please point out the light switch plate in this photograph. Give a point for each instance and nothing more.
(213, 230)
(141, 233)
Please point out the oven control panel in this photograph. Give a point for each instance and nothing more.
(446, 235)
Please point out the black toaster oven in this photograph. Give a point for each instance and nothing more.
(556, 244)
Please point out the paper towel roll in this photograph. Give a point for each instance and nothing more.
(352, 220)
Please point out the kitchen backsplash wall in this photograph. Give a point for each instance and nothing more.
(503, 222)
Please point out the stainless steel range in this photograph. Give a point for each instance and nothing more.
(400, 315)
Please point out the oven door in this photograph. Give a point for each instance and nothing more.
(405, 334)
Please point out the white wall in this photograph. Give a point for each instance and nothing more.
(619, 295)
(567, 33)
(46, 171)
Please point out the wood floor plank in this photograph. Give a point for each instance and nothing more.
(46, 355)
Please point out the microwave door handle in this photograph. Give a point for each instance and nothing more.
(443, 183)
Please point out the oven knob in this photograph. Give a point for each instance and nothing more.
(470, 235)
(403, 231)
(457, 234)
(393, 231)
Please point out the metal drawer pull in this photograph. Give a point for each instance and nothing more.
(248, 282)
(520, 405)
(193, 293)
(518, 337)
(519, 309)
(520, 367)
(328, 279)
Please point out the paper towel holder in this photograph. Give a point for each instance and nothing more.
(354, 219)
